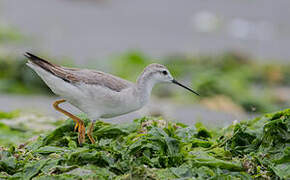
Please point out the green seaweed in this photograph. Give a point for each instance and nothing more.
(9, 115)
(151, 148)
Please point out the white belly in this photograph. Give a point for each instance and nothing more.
(101, 102)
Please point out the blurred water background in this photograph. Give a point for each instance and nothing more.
(94, 29)
(236, 53)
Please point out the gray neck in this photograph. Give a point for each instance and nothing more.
(144, 87)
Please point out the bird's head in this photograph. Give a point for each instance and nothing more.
(159, 73)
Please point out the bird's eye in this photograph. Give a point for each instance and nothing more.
(164, 72)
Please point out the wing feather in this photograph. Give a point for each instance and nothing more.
(87, 76)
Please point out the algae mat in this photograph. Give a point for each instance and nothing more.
(151, 148)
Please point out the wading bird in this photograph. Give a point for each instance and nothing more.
(98, 94)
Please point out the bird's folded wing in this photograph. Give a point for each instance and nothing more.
(75, 75)
(95, 78)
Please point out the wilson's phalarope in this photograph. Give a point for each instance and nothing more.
(98, 94)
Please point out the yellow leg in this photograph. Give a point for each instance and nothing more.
(79, 123)
(90, 133)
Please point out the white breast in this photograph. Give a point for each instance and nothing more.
(106, 103)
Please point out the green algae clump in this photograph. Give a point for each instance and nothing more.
(151, 148)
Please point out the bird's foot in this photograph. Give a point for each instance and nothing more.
(76, 126)
(90, 133)
(91, 139)
(81, 132)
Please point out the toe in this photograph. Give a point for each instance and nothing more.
(76, 126)
(81, 133)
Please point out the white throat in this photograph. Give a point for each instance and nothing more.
(144, 87)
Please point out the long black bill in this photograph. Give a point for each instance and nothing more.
(176, 82)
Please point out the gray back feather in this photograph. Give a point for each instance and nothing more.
(75, 75)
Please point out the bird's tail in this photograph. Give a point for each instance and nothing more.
(35, 60)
